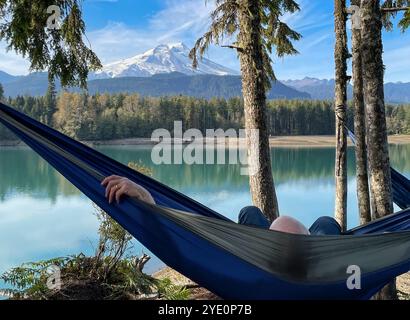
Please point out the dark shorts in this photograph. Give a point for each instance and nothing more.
(253, 216)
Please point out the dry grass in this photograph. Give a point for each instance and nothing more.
(403, 286)
(323, 141)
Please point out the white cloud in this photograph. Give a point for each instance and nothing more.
(11, 62)
(179, 21)
(395, 57)
(182, 17)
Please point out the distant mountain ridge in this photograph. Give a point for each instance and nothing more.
(204, 86)
(6, 78)
(323, 89)
(200, 86)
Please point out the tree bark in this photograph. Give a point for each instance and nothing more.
(373, 76)
(341, 55)
(254, 95)
(362, 178)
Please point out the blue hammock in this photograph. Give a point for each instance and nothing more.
(231, 260)
(400, 184)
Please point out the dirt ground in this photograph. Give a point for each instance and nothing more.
(285, 141)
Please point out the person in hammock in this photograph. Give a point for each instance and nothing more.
(118, 187)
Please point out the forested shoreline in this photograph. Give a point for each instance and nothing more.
(120, 116)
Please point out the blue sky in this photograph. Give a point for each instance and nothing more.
(119, 29)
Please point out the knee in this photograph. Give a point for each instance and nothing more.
(325, 225)
(253, 216)
(249, 211)
(326, 219)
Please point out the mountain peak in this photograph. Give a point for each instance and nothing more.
(178, 45)
(164, 58)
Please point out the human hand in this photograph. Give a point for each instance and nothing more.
(117, 187)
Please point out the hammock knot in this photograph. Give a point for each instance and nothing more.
(340, 112)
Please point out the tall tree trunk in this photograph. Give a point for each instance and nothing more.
(341, 55)
(373, 74)
(253, 87)
(363, 195)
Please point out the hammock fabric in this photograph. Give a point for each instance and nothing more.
(231, 260)
(400, 184)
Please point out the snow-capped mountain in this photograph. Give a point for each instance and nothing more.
(165, 58)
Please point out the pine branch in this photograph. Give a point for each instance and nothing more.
(240, 49)
(395, 9)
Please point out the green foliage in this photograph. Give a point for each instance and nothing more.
(398, 119)
(125, 280)
(118, 116)
(50, 103)
(170, 291)
(114, 243)
(405, 22)
(61, 51)
(130, 279)
(388, 16)
(275, 35)
(30, 279)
